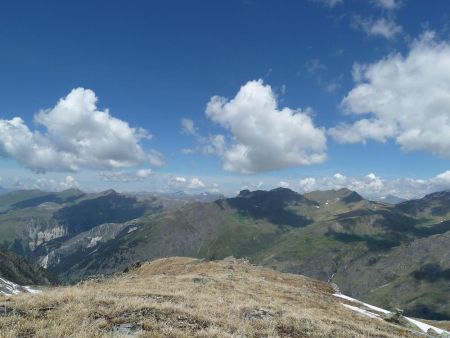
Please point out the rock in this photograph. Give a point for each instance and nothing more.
(397, 317)
(335, 288)
(230, 259)
(432, 333)
(8, 311)
(257, 313)
(203, 280)
(133, 266)
(126, 329)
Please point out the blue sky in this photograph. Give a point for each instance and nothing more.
(152, 64)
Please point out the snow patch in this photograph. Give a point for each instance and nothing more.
(94, 241)
(422, 326)
(362, 311)
(8, 288)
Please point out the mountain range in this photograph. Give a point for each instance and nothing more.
(384, 254)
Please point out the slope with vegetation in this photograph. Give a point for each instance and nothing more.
(184, 297)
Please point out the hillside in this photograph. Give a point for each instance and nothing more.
(20, 271)
(390, 256)
(184, 297)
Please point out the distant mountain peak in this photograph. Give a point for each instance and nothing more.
(277, 193)
(344, 194)
(109, 192)
(72, 191)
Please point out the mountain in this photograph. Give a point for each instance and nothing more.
(332, 196)
(432, 206)
(333, 236)
(185, 297)
(31, 218)
(376, 252)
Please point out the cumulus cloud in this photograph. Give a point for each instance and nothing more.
(180, 182)
(264, 137)
(444, 177)
(77, 135)
(47, 184)
(405, 98)
(383, 27)
(307, 184)
(284, 184)
(196, 183)
(121, 176)
(188, 126)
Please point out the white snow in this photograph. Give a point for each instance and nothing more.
(359, 302)
(30, 290)
(362, 311)
(10, 288)
(422, 326)
(94, 241)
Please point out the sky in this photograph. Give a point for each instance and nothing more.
(220, 96)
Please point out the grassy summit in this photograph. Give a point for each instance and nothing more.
(184, 297)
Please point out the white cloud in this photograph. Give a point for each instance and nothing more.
(406, 98)
(180, 182)
(188, 126)
(143, 173)
(444, 177)
(264, 137)
(307, 184)
(383, 27)
(369, 184)
(216, 145)
(387, 4)
(258, 184)
(78, 135)
(48, 184)
(196, 183)
(284, 184)
(121, 176)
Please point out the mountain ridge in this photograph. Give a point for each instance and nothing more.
(336, 236)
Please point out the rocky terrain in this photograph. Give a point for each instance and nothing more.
(185, 297)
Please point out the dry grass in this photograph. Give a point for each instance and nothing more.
(183, 297)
